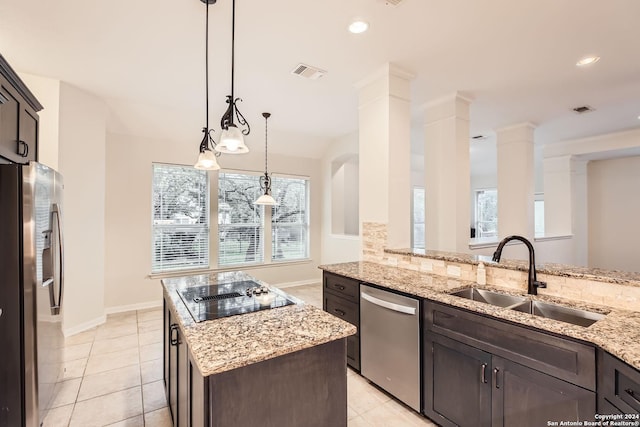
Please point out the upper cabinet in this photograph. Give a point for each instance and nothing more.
(18, 118)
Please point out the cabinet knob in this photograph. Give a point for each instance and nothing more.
(23, 149)
(340, 312)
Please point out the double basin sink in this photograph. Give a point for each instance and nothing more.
(547, 310)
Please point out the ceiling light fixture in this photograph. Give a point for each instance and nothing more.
(587, 60)
(358, 26)
(265, 180)
(232, 138)
(207, 158)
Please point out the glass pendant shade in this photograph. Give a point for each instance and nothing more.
(266, 200)
(207, 161)
(232, 141)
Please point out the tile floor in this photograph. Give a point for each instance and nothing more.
(113, 377)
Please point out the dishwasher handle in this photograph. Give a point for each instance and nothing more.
(390, 305)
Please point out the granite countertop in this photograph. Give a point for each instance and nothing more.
(617, 333)
(597, 274)
(236, 341)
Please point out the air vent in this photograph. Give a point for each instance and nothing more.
(583, 109)
(309, 72)
(217, 297)
(392, 2)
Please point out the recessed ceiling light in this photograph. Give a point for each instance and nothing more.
(587, 60)
(358, 26)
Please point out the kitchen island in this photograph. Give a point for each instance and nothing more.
(273, 367)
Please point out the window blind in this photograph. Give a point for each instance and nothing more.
(290, 219)
(180, 218)
(240, 222)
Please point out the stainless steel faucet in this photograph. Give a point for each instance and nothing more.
(532, 283)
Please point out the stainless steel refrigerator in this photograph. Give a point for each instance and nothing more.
(31, 292)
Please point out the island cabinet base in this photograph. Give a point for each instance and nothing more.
(305, 388)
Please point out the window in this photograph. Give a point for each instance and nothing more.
(418, 218)
(487, 213)
(248, 234)
(180, 218)
(240, 222)
(290, 219)
(539, 214)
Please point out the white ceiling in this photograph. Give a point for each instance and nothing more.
(516, 59)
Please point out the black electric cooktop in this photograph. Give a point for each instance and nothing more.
(229, 299)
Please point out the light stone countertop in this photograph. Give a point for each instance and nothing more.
(232, 342)
(618, 333)
(597, 274)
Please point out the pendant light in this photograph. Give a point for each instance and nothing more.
(265, 180)
(207, 157)
(232, 138)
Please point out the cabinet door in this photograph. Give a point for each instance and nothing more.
(166, 333)
(9, 120)
(173, 371)
(525, 397)
(28, 143)
(457, 387)
(183, 375)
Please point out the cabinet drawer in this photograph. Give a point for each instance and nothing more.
(618, 383)
(342, 308)
(559, 357)
(342, 286)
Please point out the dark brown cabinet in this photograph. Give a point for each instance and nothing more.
(181, 388)
(18, 118)
(341, 297)
(618, 386)
(457, 389)
(481, 371)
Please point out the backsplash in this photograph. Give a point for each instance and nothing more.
(463, 266)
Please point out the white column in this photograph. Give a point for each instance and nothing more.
(385, 153)
(579, 216)
(516, 181)
(447, 174)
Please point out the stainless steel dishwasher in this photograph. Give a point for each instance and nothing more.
(390, 343)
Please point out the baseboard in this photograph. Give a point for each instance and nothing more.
(298, 283)
(133, 307)
(67, 332)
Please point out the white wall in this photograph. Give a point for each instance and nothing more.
(47, 91)
(128, 215)
(614, 213)
(337, 247)
(82, 164)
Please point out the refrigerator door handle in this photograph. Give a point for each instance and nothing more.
(55, 307)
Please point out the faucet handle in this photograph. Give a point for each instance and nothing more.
(539, 284)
